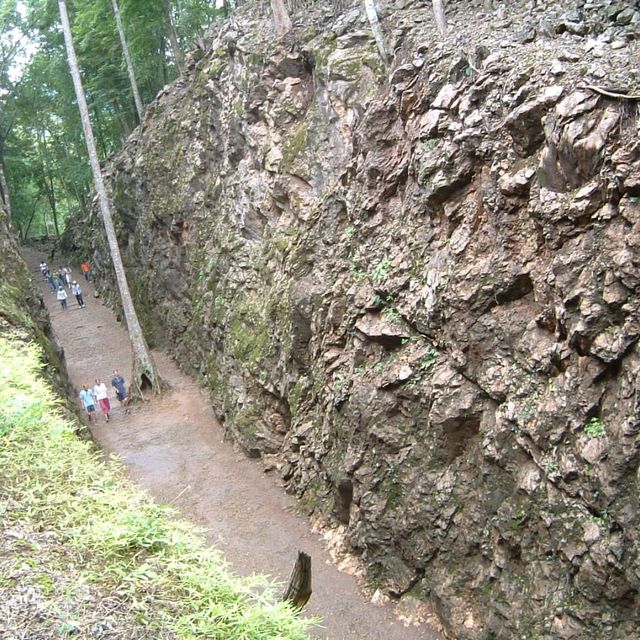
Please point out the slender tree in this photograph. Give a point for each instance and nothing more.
(281, 17)
(144, 369)
(372, 16)
(441, 18)
(127, 58)
(4, 192)
(178, 56)
(9, 47)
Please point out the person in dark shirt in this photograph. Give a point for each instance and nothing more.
(117, 382)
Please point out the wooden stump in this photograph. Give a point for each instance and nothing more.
(299, 590)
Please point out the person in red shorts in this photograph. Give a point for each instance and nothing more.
(100, 392)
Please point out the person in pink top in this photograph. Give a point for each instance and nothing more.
(101, 395)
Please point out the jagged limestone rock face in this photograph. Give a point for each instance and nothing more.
(419, 288)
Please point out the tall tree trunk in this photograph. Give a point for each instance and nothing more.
(101, 142)
(281, 17)
(178, 57)
(71, 188)
(372, 16)
(47, 177)
(165, 70)
(144, 369)
(46, 223)
(127, 58)
(51, 195)
(441, 18)
(34, 208)
(125, 126)
(4, 191)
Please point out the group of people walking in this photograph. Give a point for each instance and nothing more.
(61, 278)
(98, 395)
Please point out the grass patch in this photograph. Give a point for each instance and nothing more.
(79, 537)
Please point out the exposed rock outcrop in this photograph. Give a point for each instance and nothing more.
(419, 286)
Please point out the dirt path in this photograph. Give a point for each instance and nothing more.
(174, 449)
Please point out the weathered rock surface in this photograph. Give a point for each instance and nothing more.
(419, 287)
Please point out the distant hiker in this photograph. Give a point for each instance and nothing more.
(77, 292)
(117, 382)
(67, 276)
(88, 402)
(52, 254)
(100, 392)
(52, 284)
(62, 296)
(43, 268)
(85, 267)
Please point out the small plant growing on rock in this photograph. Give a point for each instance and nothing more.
(429, 360)
(381, 270)
(428, 145)
(379, 366)
(392, 314)
(551, 467)
(424, 365)
(595, 428)
(603, 520)
(356, 272)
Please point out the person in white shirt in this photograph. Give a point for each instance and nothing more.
(62, 296)
(77, 292)
(100, 392)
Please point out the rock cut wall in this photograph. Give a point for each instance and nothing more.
(417, 288)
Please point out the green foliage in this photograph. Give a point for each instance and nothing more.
(391, 487)
(428, 145)
(249, 334)
(357, 272)
(296, 394)
(392, 314)
(381, 270)
(551, 467)
(110, 536)
(379, 366)
(595, 428)
(429, 359)
(425, 365)
(41, 138)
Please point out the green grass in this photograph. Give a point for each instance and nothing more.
(110, 536)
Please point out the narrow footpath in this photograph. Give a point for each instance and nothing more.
(174, 448)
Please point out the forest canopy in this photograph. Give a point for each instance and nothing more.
(42, 150)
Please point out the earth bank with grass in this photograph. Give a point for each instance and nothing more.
(84, 553)
(414, 290)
